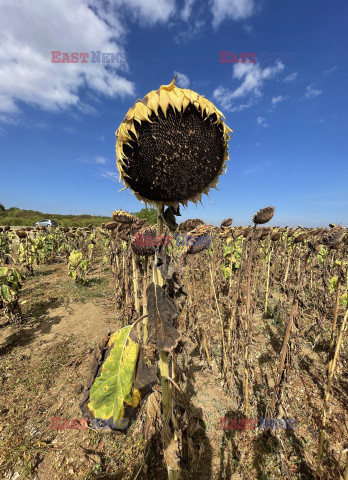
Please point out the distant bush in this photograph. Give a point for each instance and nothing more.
(150, 214)
(15, 216)
(2, 208)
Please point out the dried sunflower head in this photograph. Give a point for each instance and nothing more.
(172, 146)
(196, 240)
(21, 234)
(276, 236)
(302, 237)
(335, 236)
(238, 231)
(146, 240)
(190, 224)
(265, 232)
(264, 215)
(226, 223)
(110, 225)
(122, 217)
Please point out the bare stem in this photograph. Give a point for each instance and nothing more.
(329, 385)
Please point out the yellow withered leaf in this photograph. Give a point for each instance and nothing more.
(115, 385)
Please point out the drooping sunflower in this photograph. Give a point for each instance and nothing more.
(123, 217)
(172, 146)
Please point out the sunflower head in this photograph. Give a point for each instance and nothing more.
(199, 239)
(335, 236)
(144, 242)
(21, 234)
(172, 146)
(110, 225)
(226, 223)
(122, 217)
(190, 224)
(264, 215)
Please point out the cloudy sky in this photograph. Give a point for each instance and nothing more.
(288, 110)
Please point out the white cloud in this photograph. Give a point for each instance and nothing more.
(193, 31)
(262, 121)
(278, 99)
(149, 12)
(108, 174)
(70, 129)
(291, 77)
(29, 34)
(186, 11)
(12, 120)
(182, 80)
(312, 92)
(145, 12)
(250, 90)
(100, 160)
(330, 70)
(230, 9)
(248, 29)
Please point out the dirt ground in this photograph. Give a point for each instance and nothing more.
(44, 365)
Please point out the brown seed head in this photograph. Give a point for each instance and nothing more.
(226, 223)
(334, 237)
(123, 217)
(110, 225)
(172, 146)
(21, 234)
(190, 224)
(264, 215)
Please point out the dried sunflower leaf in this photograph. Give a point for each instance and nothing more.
(162, 312)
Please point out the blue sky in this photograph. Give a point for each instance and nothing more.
(288, 110)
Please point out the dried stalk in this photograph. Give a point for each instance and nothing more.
(332, 367)
(135, 285)
(337, 301)
(268, 272)
(246, 327)
(288, 331)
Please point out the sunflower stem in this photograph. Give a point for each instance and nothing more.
(135, 285)
(267, 285)
(164, 356)
(146, 274)
(332, 367)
